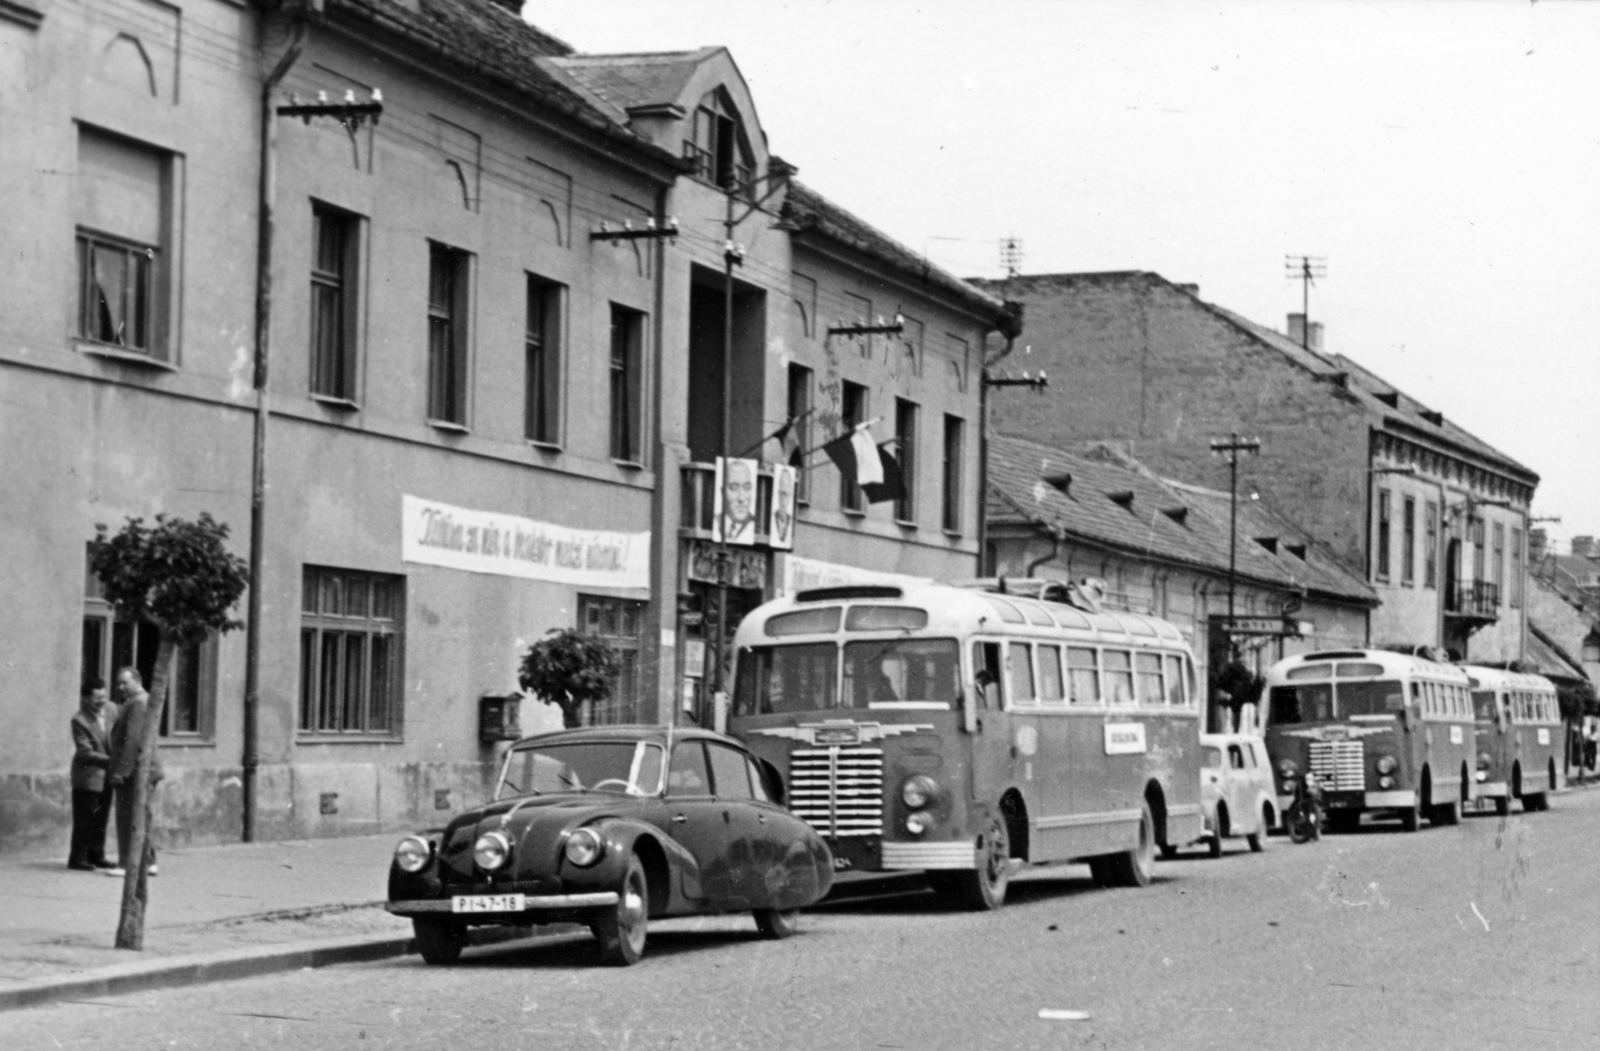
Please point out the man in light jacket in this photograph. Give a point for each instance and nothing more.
(127, 737)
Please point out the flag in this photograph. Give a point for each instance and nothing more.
(867, 465)
(788, 438)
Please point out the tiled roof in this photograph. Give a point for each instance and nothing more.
(487, 39)
(1114, 502)
(624, 81)
(815, 215)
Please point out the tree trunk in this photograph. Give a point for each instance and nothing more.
(569, 714)
(135, 885)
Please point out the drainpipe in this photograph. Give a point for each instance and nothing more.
(1056, 536)
(258, 460)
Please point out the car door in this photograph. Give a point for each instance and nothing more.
(694, 819)
(741, 823)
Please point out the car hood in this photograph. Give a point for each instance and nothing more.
(534, 826)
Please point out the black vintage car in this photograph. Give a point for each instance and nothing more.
(608, 827)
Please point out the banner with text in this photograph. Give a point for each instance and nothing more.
(437, 534)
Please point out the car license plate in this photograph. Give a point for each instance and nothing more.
(487, 903)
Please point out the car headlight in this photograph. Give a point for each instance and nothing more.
(1287, 769)
(919, 791)
(1386, 764)
(918, 823)
(1385, 782)
(583, 847)
(491, 851)
(412, 854)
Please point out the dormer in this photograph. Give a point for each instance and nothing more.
(1270, 543)
(1061, 483)
(1123, 499)
(718, 144)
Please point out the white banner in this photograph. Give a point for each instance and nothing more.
(437, 534)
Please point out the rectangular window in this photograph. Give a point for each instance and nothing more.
(905, 450)
(335, 236)
(1052, 689)
(351, 628)
(1019, 672)
(1118, 668)
(854, 409)
(1516, 568)
(954, 450)
(1147, 678)
(627, 367)
(541, 342)
(1083, 675)
(1430, 547)
(1478, 550)
(1176, 681)
(1497, 564)
(800, 413)
(1381, 568)
(121, 204)
(620, 622)
(449, 271)
(1408, 541)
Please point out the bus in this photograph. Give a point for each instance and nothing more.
(1385, 733)
(967, 731)
(1519, 737)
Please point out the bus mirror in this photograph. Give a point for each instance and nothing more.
(969, 709)
(719, 711)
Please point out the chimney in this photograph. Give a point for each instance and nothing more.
(1297, 328)
(1538, 541)
(1316, 336)
(1583, 546)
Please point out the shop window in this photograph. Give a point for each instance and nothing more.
(351, 631)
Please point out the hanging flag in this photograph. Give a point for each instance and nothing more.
(868, 465)
(893, 486)
(788, 438)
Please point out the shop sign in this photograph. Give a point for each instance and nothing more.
(438, 534)
(746, 569)
(1265, 626)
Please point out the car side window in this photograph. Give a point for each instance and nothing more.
(730, 772)
(1235, 757)
(687, 776)
(758, 783)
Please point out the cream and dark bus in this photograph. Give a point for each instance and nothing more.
(968, 731)
(1519, 737)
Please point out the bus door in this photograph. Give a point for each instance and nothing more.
(1489, 740)
(989, 765)
(1029, 759)
(1054, 772)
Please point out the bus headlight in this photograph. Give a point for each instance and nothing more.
(1484, 760)
(583, 847)
(1385, 782)
(412, 854)
(1386, 764)
(1287, 769)
(491, 851)
(919, 791)
(918, 823)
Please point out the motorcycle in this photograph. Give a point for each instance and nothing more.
(1304, 818)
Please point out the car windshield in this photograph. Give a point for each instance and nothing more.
(622, 767)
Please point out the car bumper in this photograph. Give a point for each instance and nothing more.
(544, 903)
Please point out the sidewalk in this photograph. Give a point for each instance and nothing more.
(214, 913)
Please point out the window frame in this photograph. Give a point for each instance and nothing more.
(331, 715)
(336, 381)
(142, 288)
(1430, 555)
(625, 384)
(544, 360)
(799, 406)
(449, 334)
(627, 686)
(906, 418)
(1408, 541)
(1380, 569)
(955, 442)
(855, 406)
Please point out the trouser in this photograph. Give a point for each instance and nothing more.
(125, 828)
(91, 815)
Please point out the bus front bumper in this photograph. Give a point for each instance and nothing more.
(961, 854)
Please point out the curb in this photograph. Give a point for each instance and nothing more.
(201, 968)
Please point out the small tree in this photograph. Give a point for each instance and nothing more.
(179, 578)
(569, 669)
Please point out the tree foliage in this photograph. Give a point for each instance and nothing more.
(1234, 685)
(569, 669)
(181, 578)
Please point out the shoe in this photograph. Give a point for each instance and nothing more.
(103, 864)
(80, 866)
(152, 871)
(115, 871)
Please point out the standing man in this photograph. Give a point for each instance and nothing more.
(127, 737)
(91, 794)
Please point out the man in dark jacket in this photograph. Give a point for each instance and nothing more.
(127, 737)
(91, 793)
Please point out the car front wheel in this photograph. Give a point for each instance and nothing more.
(777, 923)
(438, 941)
(622, 929)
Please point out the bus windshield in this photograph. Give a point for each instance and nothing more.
(1314, 702)
(1371, 698)
(919, 673)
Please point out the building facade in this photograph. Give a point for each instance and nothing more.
(491, 331)
(1435, 519)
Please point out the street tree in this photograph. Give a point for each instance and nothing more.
(569, 669)
(180, 578)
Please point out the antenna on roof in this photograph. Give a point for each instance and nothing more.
(1305, 268)
(1011, 255)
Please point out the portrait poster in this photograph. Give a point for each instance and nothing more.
(780, 524)
(734, 521)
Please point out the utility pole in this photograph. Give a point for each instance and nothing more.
(1233, 445)
(1011, 256)
(1305, 268)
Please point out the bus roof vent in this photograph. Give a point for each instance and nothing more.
(850, 591)
(1334, 655)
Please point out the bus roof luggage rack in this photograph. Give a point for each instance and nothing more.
(1084, 596)
(850, 591)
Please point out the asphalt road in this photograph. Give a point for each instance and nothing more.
(1481, 936)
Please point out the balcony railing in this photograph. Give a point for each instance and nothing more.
(699, 500)
(1474, 599)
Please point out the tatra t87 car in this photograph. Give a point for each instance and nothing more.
(608, 827)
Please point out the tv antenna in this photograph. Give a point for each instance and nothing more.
(1306, 269)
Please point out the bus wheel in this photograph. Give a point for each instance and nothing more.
(1169, 850)
(1446, 813)
(1410, 818)
(1535, 801)
(1502, 805)
(984, 888)
(1133, 868)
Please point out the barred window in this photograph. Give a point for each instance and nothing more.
(351, 626)
(619, 622)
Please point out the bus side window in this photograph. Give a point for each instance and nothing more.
(1019, 672)
(1175, 680)
(1052, 689)
(1083, 675)
(1119, 677)
(986, 669)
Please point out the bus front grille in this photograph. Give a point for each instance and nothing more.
(838, 791)
(1339, 765)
